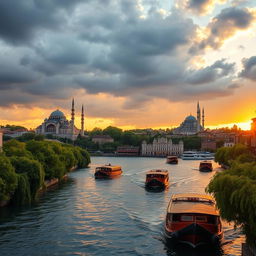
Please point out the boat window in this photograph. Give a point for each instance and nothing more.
(212, 219)
(186, 218)
(201, 218)
(175, 217)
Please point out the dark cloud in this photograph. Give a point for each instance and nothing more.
(249, 68)
(224, 26)
(211, 73)
(114, 48)
(20, 20)
(199, 6)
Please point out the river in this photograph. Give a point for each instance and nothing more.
(88, 217)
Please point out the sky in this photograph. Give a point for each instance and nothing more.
(131, 63)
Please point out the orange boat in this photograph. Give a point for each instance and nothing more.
(172, 160)
(157, 179)
(193, 219)
(205, 166)
(108, 171)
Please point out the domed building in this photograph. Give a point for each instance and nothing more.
(58, 125)
(191, 125)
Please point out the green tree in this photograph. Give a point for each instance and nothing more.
(113, 132)
(8, 178)
(16, 148)
(34, 171)
(235, 194)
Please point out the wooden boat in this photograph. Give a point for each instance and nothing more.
(157, 179)
(193, 219)
(108, 171)
(205, 166)
(172, 160)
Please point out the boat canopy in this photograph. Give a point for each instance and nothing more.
(162, 172)
(110, 167)
(192, 203)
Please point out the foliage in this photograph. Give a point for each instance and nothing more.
(33, 169)
(33, 161)
(16, 148)
(8, 178)
(30, 136)
(235, 194)
(113, 132)
(225, 155)
(235, 189)
(22, 193)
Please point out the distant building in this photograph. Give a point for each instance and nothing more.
(58, 125)
(191, 125)
(229, 144)
(1, 141)
(101, 139)
(161, 147)
(127, 151)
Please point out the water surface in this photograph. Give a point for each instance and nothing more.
(88, 217)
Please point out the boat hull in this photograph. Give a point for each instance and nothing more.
(205, 169)
(155, 184)
(194, 235)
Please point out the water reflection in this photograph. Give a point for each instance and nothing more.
(118, 216)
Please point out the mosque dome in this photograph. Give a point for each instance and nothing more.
(57, 114)
(190, 118)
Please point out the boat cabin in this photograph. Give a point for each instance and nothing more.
(193, 219)
(108, 171)
(172, 160)
(205, 166)
(157, 179)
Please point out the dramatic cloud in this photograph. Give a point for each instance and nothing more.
(249, 70)
(224, 26)
(202, 7)
(53, 50)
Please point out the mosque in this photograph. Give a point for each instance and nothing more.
(191, 125)
(58, 125)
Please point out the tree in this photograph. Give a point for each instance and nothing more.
(8, 178)
(34, 171)
(113, 132)
(16, 148)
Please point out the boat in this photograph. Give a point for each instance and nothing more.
(157, 179)
(194, 155)
(193, 219)
(172, 160)
(205, 166)
(108, 171)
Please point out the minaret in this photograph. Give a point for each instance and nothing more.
(73, 111)
(198, 117)
(73, 118)
(203, 119)
(82, 121)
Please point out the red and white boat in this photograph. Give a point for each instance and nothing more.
(193, 219)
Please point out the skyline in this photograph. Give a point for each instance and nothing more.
(132, 64)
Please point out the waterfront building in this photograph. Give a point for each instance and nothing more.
(101, 139)
(58, 125)
(162, 147)
(127, 151)
(191, 125)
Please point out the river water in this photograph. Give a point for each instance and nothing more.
(88, 217)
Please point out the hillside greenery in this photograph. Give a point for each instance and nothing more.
(24, 166)
(235, 188)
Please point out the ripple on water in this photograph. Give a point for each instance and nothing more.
(85, 216)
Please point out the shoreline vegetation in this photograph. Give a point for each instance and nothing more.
(234, 188)
(26, 168)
